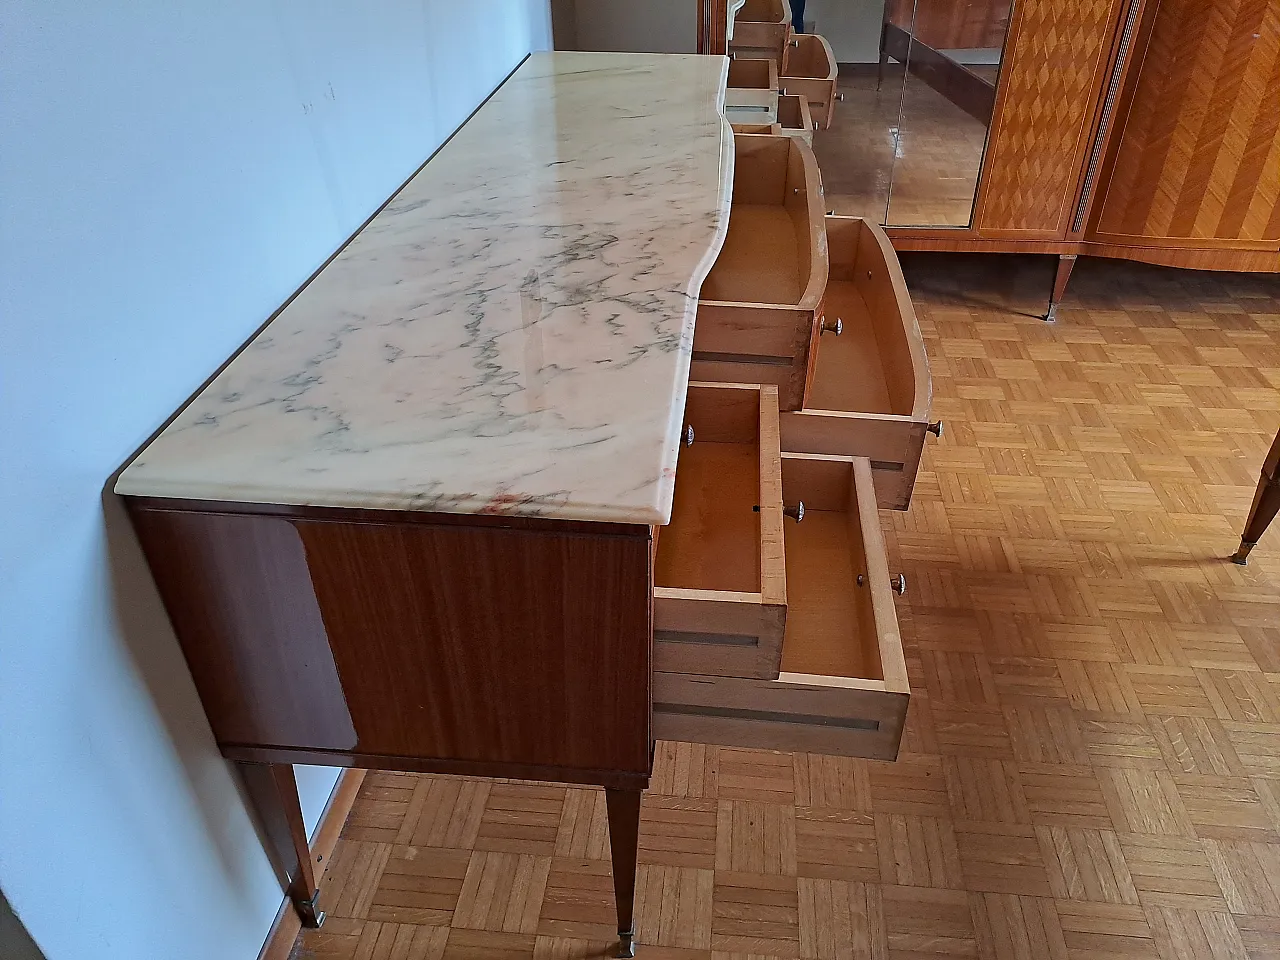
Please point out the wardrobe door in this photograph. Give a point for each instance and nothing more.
(1056, 64)
(1198, 159)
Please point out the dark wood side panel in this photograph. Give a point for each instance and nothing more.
(713, 23)
(240, 598)
(483, 644)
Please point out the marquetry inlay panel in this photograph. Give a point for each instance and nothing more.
(1053, 74)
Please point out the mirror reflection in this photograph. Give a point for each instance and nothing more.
(918, 90)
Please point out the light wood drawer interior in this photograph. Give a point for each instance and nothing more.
(764, 11)
(809, 56)
(794, 117)
(774, 252)
(809, 69)
(749, 74)
(869, 390)
(843, 686)
(719, 578)
(759, 302)
(761, 29)
(752, 91)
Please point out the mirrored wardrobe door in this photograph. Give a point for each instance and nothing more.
(952, 51)
(857, 153)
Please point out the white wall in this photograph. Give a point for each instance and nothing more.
(852, 27)
(170, 172)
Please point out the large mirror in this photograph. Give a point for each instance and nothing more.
(918, 82)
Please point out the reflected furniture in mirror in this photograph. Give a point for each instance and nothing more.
(1140, 129)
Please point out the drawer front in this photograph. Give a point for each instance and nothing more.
(892, 444)
(719, 602)
(783, 714)
(843, 687)
(869, 392)
(794, 117)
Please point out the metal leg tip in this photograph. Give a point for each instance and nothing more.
(1051, 315)
(311, 917)
(626, 944)
(1241, 556)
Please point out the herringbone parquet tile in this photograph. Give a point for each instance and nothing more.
(1091, 765)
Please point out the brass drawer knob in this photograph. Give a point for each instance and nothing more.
(840, 97)
(688, 435)
(835, 326)
(796, 513)
(935, 428)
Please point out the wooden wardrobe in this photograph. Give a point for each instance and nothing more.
(1141, 129)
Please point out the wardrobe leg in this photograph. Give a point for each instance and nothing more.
(1066, 263)
(274, 795)
(1266, 504)
(623, 808)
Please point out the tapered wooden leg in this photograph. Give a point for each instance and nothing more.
(274, 794)
(624, 841)
(1066, 263)
(1266, 503)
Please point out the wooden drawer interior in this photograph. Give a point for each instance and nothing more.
(753, 74)
(877, 364)
(809, 56)
(794, 116)
(774, 252)
(842, 687)
(869, 390)
(719, 572)
(763, 11)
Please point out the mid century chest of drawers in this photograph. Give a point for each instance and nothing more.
(442, 515)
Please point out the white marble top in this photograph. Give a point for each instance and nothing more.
(510, 335)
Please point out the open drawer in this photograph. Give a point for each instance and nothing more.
(759, 305)
(793, 121)
(843, 685)
(869, 390)
(751, 95)
(761, 29)
(720, 598)
(809, 69)
(794, 117)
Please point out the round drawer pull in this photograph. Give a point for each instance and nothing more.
(840, 97)
(833, 326)
(897, 584)
(688, 435)
(935, 428)
(796, 513)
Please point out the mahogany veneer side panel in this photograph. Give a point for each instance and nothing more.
(485, 644)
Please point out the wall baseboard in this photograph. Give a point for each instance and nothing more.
(286, 926)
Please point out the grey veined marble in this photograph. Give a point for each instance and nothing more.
(511, 334)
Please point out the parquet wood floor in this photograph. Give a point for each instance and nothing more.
(1091, 767)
